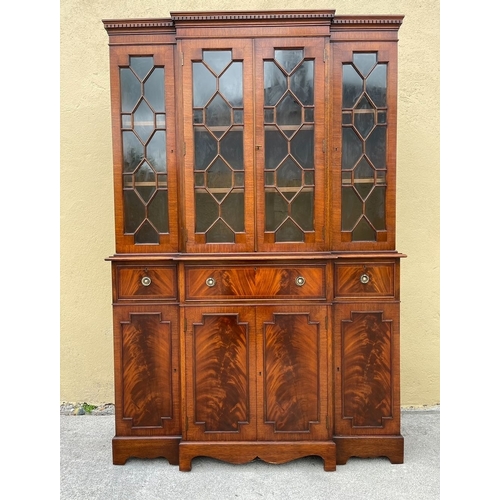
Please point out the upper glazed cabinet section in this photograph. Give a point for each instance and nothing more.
(254, 131)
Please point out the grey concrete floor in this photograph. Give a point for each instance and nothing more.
(87, 472)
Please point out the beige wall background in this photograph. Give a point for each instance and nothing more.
(86, 191)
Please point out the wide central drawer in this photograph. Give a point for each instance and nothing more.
(255, 282)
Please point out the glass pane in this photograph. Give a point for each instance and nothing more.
(205, 148)
(289, 232)
(217, 59)
(143, 121)
(142, 65)
(381, 117)
(289, 174)
(219, 175)
(147, 234)
(220, 233)
(158, 211)
(203, 85)
(156, 151)
(303, 209)
(276, 210)
(218, 113)
(199, 180)
(363, 170)
(231, 148)
(376, 85)
(133, 151)
(145, 182)
(135, 211)
(154, 89)
(302, 83)
(288, 112)
(238, 116)
(376, 147)
(352, 86)
(308, 178)
(231, 84)
(352, 148)
(276, 148)
(130, 90)
(364, 232)
(364, 62)
(274, 83)
(309, 115)
(352, 208)
(375, 208)
(364, 122)
(239, 179)
(160, 121)
(302, 147)
(207, 211)
(269, 115)
(197, 116)
(289, 58)
(126, 121)
(233, 210)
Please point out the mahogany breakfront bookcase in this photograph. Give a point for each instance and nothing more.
(255, 280)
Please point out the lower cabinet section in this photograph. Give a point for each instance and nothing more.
(274, 379)
(256, 382)
(367, 406)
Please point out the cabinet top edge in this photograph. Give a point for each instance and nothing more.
(183, 18)
(254, 256)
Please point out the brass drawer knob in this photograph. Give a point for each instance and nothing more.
(210, 282)
(146, 280)
(364, 278)
(300, 281)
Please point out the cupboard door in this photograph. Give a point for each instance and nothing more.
(144, 148)
(364, 145)
(367, 369)
(292, 353)
(218, 134)
(146, 370)
(290, 135)
(220, 373)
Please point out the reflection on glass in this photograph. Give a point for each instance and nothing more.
(204, 85)
(218, 146)
(364, 146)
(144, 161)
(289, 145)
(153, 89)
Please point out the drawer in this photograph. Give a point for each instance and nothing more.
(364, 279)
(145, 282)
(255, 282)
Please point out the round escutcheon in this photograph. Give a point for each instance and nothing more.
(210, 282)
(364, 278)
(300, 281)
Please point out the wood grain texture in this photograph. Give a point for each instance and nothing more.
(147, 368)
(258, 365)
(255, 282)
(243, 452)
(366, 347)
(163, 282)
(348, 282)
(221, 373)
(291, 379)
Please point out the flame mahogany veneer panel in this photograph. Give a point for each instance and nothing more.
(255, 282)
